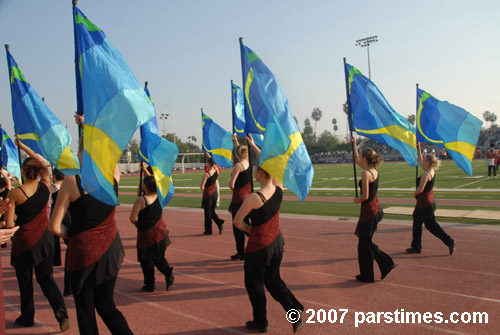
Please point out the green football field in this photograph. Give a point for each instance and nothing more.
(397, 180)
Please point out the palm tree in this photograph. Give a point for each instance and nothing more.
(316, 116)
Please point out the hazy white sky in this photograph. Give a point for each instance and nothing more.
(188, 51)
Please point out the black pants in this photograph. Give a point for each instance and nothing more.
(100, 298)
(431, 226)
(492, 168)
(150, 259)
(239, 235)
(269, 276)
(44, 277)
(209, 205)
(57, 251)
(369, 251)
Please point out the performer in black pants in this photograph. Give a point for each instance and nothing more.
(264, 251)
(146, 215)
(5, 187)
(209, 200)
(33, 245)
(240, 183)
(371, 214)
(426, 205)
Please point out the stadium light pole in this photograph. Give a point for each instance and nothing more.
(164, 117)
(366, 42)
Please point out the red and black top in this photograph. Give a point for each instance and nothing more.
(33, 236)
(151, 228)
(426, 205)
(95, 250)
(210, 185)
(371, 213)
(242, 186)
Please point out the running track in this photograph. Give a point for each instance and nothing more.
(319, 266)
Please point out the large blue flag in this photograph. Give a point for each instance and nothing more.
(448, 126)
(284, 154)
(9, 157)
(160, 154)
(36, 126)
(114, 104)
(217, 142)
(371, 115)
(238, 105)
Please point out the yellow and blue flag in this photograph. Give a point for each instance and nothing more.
(284, 154)
(448, 126)
(371, 115)
(217, 142)
(36, 126)
(9, 157)
(113, 102)
(161, 155)
(238, 105)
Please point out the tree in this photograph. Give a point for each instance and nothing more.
(345, 108)
(411, 119)
(335, 127)
(133, 146)
(327, 142)
(307, 133)
(489, 117)
(316, 116)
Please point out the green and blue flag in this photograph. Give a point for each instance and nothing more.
(238, 105)
(9, 157)
(113, 102)
(448, 126)
(36, 126)
(371, 115)
(284, 154)
(217, 141)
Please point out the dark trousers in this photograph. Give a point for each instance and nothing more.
(150, 260)
(209, 205)
(268, 276)
(239, 235)
(492, 168)
(57, 251)
(100, 298)
(369, 251)
(431, 226)
(44, 277)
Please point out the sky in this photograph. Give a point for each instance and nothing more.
(188, 51)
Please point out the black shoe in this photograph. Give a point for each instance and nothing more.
(386, 272)
(62, 318)
(361, 279)
(147, 288)
(170, 280)
(452, 246)
(251, 325)
(24, 321)
(413, 251)
(221, 227)
(238, 256)
(297, 326)
(207, 233)
(4, 245)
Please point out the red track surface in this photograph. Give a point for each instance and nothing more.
(319, 266)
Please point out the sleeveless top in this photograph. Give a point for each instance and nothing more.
(210, 185)
(3, 194)
(151, 228)
(426, 205)
(265, 222)
(371, 213)
(32, 217)
(242, 186)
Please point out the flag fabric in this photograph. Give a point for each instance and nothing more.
(371, 115)
(114, 104)
(448, 126)
(9, 157)
(36, 126)
(160, 154)
(238, 105)
(284, 154)
(217, 142)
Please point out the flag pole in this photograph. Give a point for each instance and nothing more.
(15, 134)
(416, 131)
(245, 108)
(205, 155)
(350, 130)
(140, 165)
(79, 112)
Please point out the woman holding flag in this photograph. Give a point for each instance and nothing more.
(371, 214)
(33, 245)
(209, 200)
(94, 254)
(5, 187)
(425, 207)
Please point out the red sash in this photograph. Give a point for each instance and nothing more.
(30, 233)
(263, 235)
(89, 246)
(240, 194)
(208, 191)
(369, 209)
(425, 199)
(151, 236)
